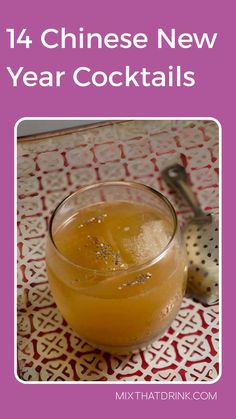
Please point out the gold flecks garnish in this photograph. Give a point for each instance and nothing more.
(99, 219)
(140, 279)
(104, 251)
(121, 266)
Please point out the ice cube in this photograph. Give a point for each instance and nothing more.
(152, 239)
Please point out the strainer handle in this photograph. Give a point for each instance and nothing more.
(177, 178)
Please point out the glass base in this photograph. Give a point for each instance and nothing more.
(124, 350)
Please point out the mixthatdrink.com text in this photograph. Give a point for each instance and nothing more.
(165, 395)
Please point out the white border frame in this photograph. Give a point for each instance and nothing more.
(220, 244)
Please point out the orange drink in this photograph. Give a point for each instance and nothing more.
(116, 264)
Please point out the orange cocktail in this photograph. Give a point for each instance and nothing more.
(116, 264)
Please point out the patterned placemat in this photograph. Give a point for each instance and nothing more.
(51, 168)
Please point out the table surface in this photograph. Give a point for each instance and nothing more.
(49, 169)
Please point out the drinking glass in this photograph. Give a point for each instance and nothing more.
(125, 306)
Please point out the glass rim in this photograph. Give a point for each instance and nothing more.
(136, 267)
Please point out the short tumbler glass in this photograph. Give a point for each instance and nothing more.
(122, 309)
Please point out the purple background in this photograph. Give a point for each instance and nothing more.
(212, 96)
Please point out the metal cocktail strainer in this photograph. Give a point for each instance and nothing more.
(202, 241)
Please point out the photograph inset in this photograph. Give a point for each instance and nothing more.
(118, 250)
